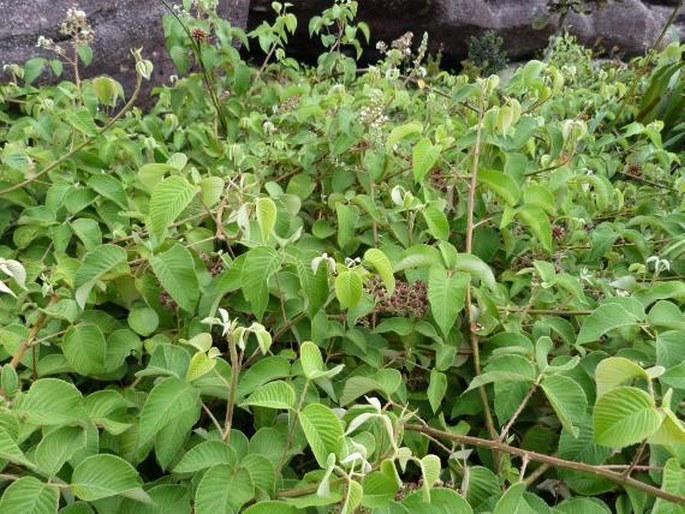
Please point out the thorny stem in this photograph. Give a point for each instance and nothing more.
(554, 462)
(83, 144)
(469, 301)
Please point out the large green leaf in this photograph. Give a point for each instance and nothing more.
(424, 157)
(437, 223)
(503, 185)
(57, 447)
(205, 455)
(266, 216)
(169, 397)
(274, 395)
(175, 270)
(169, 198)
(446, 296)
(9, 449)
(101, 476)
(223, 490)
(96, 264)
(323, 431)
(348, 289)
(50, 401)
(383, 267)
(85, 348)
(29, 495)
(615, 371)
(674, 482)
(260, 264)
(605, 318)
(538, 222)
(477, 268)
(624, 416)
(568, 400)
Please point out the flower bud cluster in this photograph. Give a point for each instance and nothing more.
(77, 26)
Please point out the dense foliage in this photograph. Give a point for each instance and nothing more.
(388, 289)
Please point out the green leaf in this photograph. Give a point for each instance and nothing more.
(446, 296)
(567, 399)
(205, 455)
(606, 317)
(85, 348)
(211, 190)
(402, 131)
(383, 267)
(512, 500)
(347, 222)
(266, 216)
(311, 359)
(223, 490)
(143, 320)
(474, 266)
(418, 256)
(323, 431)
(107, 90)
(430, 472)
(274, 395)
(175, 270)
(260, 264)
(437, 388)
(615, 371)
(169, 199)
(95, 265)
(348, 289)
(29, 495)
(9, 449)
(624, 416)
(101, 476)
(200, 365)
(57, 447)
(271, 507)
(503, 185)
(50, 401)
(437, 223)
(424, 157)
(582, 506)
(673, 482)
(169, 397)
(671, 431)
(538, 222)
(82, 121)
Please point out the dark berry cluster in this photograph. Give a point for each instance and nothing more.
(407, 300)
(167, 301)
(634, 170)
(200, 35)
(416, 379)
(558, 232)
(214, 267)
(438, 180)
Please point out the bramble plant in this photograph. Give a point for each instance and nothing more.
(326, 289)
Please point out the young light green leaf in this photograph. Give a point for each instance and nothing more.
(424, 157)
(95, 265)
(211, 190)
(169, 199)
(323, 431)
(511, 500)
(477, 268)
(671, 431)
(175, 270)
(200, 365)
(402, 131)
(615, 371)
(274, 395)
(223, 490)
(143, 320)
(266, 216)
(383, 267)
(29, 495)
(624, 416)
(430, 472)
(446, 296)
(673, 481)
(169, 397)
(311, 359)
(348, 289)
(437, 223)
(567, 399)
(104, 475)
(271, 507)
(503, 185)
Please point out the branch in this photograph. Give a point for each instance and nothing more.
(554, 462)
(19, 354)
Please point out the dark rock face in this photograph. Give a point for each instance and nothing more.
(119, 26)
(628, 28)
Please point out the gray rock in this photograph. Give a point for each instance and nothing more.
(119, 26)
(628, 28)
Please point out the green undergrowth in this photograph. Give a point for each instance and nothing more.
(295, 288)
